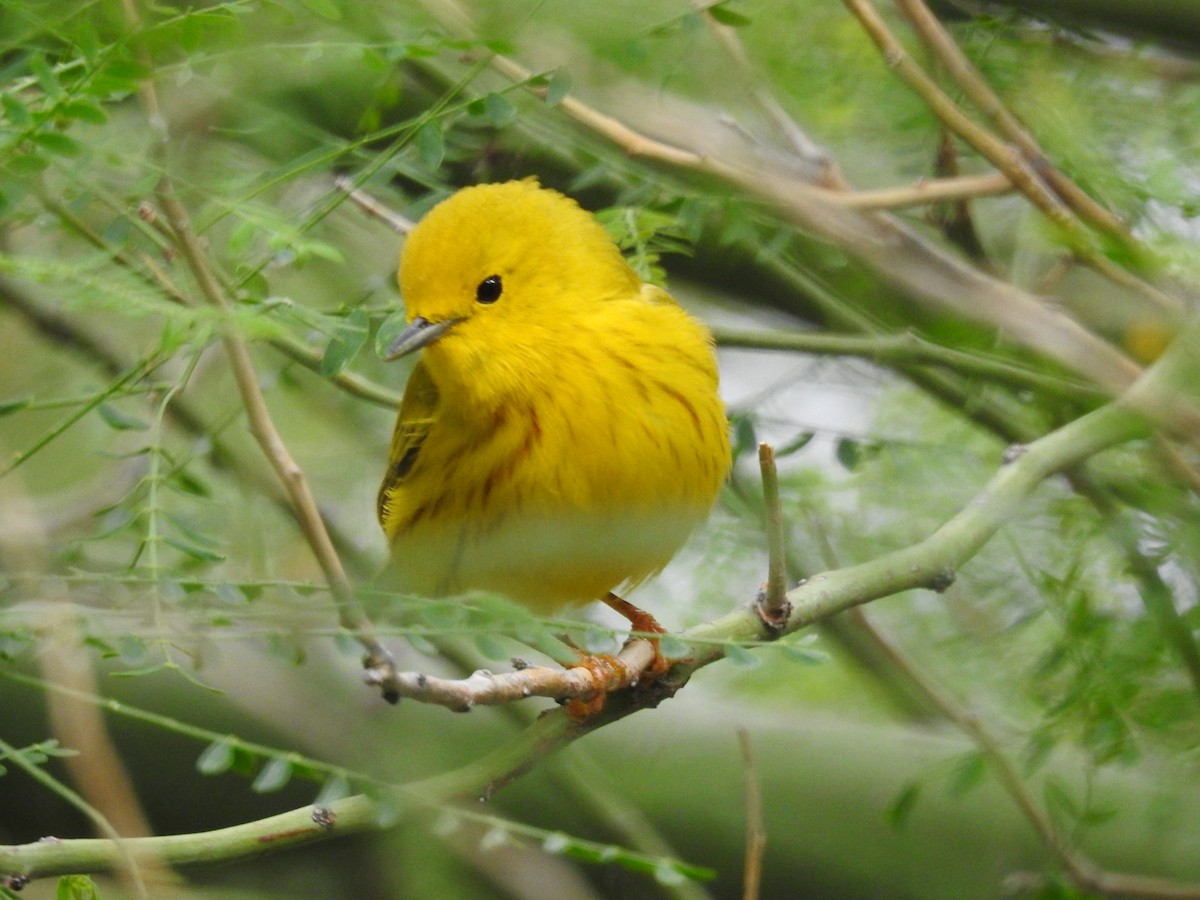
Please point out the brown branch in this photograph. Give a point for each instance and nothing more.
(1024, 174)
(485, 688)
(756, 832)
(304, 506)
(962, 70)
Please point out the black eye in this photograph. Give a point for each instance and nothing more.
(489, 289)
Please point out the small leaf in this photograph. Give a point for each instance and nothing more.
(494, 838)
(849, 453)
(968, 773)
(389, 330)
(598, 640)
(84, 111)
(15, 111)
(274, 776)
(203, 554)
(667, 873)
(45, 75)
(899, 810)
(431, 145)
(27, 163)
(347, 340)
(7, 407)
(672, 647)
(806, 655)
(229, 594)
(726, 16)
(497, 110)
(336, 787)
(118, 420)
(326, 9)
(741, 657)
(421, 644)
(489, 647)
(558, 88)
(58, 143)
(76, 887)
(216, 758)
(799, 442)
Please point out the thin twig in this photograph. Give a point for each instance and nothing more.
(1005, 157)
(907, 347)
(827, 172)
(895, 252)
(373, 207)
(939, 42)
(926, 192)
(756, 832)
(773, 603)
(1083, 871)
(378, 661)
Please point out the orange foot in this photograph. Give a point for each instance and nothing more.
(640, 620)
(606, 671)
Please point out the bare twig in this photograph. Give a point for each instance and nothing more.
(925, 192)
(373, 207)
(756, 832)
(378, 661)
(1023, 173)
(773, 603)
(943, 46)
(485, 688)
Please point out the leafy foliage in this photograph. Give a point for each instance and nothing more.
(149, 516)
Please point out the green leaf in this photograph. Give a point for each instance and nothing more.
(421, 644)
(27, 163)
(326, 9)
(76, 887)
(968, 773)
(118, 420)
(336, 787)
(726, 16)
(84, 111)
(203, 554)
(741, 657)
(849, 453)
(216, 758)
(7, 407)
(808, 656)
(15, 111)
(899, 810)
(598, 640)
(45, 75)
(389, 330)
(497, 110)
(58, 143)
(558, 87)
(274, 776)
(431, 145)
(347, 340)
(672, 647)
(489, 647)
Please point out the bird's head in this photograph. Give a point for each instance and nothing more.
(503, 266)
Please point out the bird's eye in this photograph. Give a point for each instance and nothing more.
(489, 289)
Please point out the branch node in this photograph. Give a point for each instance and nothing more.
(1012, 453)
(941, 579)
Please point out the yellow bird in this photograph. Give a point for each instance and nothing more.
(562, 433)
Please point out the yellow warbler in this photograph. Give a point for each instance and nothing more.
(562, 433)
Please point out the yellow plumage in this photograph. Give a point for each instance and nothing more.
(562, 433)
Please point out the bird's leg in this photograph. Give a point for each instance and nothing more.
(640, 620)
(605, 669)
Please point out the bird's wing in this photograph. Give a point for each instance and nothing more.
(418, 410)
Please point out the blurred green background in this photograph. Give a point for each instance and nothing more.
(147, 553)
